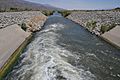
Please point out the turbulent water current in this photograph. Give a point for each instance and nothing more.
(64, 50)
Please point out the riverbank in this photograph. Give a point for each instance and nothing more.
(9, 18)
(63, 50)
(15, 32)
(99, 23)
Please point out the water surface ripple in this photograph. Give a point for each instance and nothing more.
(64, 50)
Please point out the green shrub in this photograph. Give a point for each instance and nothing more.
(116, 9)
(91, 25)
(65, 13)
(13, 9)
(112, 26)
(23, 26)
(107, 27)
(47, 12)
(104, 28)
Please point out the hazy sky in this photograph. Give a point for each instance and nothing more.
(81, 4)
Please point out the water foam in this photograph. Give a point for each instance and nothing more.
(45, 60)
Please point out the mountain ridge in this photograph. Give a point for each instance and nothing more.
(22, 4)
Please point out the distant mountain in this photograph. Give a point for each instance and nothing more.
(22, 5)
(52, 7)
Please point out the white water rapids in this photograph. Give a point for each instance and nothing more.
(64, 50)
(45, 60)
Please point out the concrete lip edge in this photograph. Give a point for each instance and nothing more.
(8, 59)
(9, 53)
(12, 59)
(101, 36)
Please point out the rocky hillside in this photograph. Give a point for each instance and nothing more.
(97, 22)
(6, 5)
(27, 19)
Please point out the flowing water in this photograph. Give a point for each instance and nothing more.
(64, 50)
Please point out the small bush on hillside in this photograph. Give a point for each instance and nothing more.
(4, 10)
(105, 28)
(13, 9)
(65, 13)
(47, 12)
(23, 26)
(116, 9)
(91, 25)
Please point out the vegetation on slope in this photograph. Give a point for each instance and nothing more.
(65, 13)
(97, 21)
(116, 9)
(47, 12)
(105, 28)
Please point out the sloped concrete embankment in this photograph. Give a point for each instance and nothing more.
(113, 36)
(13, 40)
(99, 23)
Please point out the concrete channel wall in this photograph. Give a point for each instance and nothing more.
(12, 40)
(101, 18)
(113, 36)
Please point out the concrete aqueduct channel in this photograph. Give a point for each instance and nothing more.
(13, 38)
(16, 30)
